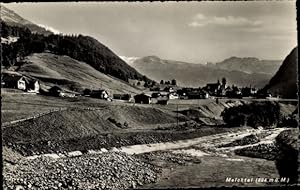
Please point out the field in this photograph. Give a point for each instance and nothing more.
(71, 74)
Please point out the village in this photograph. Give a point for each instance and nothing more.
(157, 94)
(149, 95)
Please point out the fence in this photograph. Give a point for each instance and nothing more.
(6, 124)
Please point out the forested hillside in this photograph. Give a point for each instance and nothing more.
(79, 47)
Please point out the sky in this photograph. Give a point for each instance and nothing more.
(196, 32)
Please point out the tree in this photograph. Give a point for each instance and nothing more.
(174, 82)
(153, 83)
(146, 85)
(144, 78)
(162, 82)
(224, 81)
(255, 114)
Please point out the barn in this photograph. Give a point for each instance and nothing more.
(102, 94)
(122, 96)
(142, 99)
(32, 86)
(14, 81)
(55, 91)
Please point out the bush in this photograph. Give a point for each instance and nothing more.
(288, 121)
(118, 124)
(287, 157)
(264, 151)
(87, 92)
(255, 114)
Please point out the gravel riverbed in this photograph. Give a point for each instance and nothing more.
(105, 171)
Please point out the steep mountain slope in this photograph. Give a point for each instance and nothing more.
(79, 47)
(284, 82)
(91, 51)
(196, 75)
(249, 65)
(11, 18)
(71, 74)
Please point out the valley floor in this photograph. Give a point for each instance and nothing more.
(158, 147)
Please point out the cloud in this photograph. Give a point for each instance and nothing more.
(49, 28)
(201, 20)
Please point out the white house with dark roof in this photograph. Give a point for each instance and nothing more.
(17, 81)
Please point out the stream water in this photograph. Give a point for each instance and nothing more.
(193, 146)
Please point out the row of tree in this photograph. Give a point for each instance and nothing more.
(255, 114)
(172, 82)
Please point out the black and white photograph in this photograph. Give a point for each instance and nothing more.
(149, 95)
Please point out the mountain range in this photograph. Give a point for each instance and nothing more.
(249, 65)
(91, 64)
(237, 71)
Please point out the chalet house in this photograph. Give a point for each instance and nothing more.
(248, 91)
(263, 94)
(173, 96)
(142, 99)
(32, 86)
(9, 40)
(102, 94)
(67, 94)
(20, 82)
(212, 88)
(163, 100)
(235, 92)
(197, 94)
(182, 93)
(215, 89)
(14, 81)
(155, 95)
(192, 93)
(122, 96)
(221, 91)
(253, 91)
(169, 89)
(55, 91)
(155, 88)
